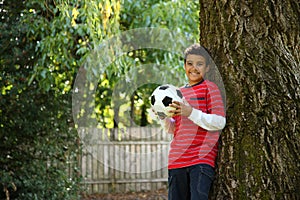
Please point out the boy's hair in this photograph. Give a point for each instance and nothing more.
(197, 49)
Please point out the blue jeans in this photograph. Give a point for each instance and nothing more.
(190, 183)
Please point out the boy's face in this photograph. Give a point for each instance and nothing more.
(195, 68)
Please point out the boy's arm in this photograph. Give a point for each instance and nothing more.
(210, 122)
(214, 120)
(168, 125)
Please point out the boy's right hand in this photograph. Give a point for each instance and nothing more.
(183, 109)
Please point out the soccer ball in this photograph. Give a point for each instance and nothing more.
(162, 96)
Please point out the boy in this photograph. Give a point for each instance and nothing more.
(195, 125)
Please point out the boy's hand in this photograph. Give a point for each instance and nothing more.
(183, 109)
(156, 115)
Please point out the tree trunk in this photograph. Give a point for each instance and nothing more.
(255, 45)
(144, 121)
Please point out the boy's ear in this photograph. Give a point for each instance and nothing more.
(207, 68)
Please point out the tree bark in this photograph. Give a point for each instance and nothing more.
(255, 45)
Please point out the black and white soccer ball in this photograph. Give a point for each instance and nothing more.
(162, 97)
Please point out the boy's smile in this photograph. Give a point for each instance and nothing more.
(195, 68)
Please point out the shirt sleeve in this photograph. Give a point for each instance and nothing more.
(210, 122)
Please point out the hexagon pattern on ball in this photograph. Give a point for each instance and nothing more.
(162, 97)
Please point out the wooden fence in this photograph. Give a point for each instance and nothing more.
(122, 160)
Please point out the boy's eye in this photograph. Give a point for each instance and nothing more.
(200, 64)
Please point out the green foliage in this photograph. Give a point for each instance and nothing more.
(110, 103)
(42, 46)
(37, 141)
(180, 17)
(36, 147)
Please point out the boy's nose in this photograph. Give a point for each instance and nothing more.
(195, 66)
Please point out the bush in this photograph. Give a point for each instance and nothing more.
(39, 148)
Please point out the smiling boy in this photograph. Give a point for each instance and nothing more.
(196, 125)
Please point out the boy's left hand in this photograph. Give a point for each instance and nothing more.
(183, 109)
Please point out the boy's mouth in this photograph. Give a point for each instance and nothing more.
(194, 73)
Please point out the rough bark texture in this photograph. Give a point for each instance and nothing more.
(255, 45)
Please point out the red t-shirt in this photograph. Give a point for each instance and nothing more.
(192, 144)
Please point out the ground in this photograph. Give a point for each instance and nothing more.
(151, 195)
